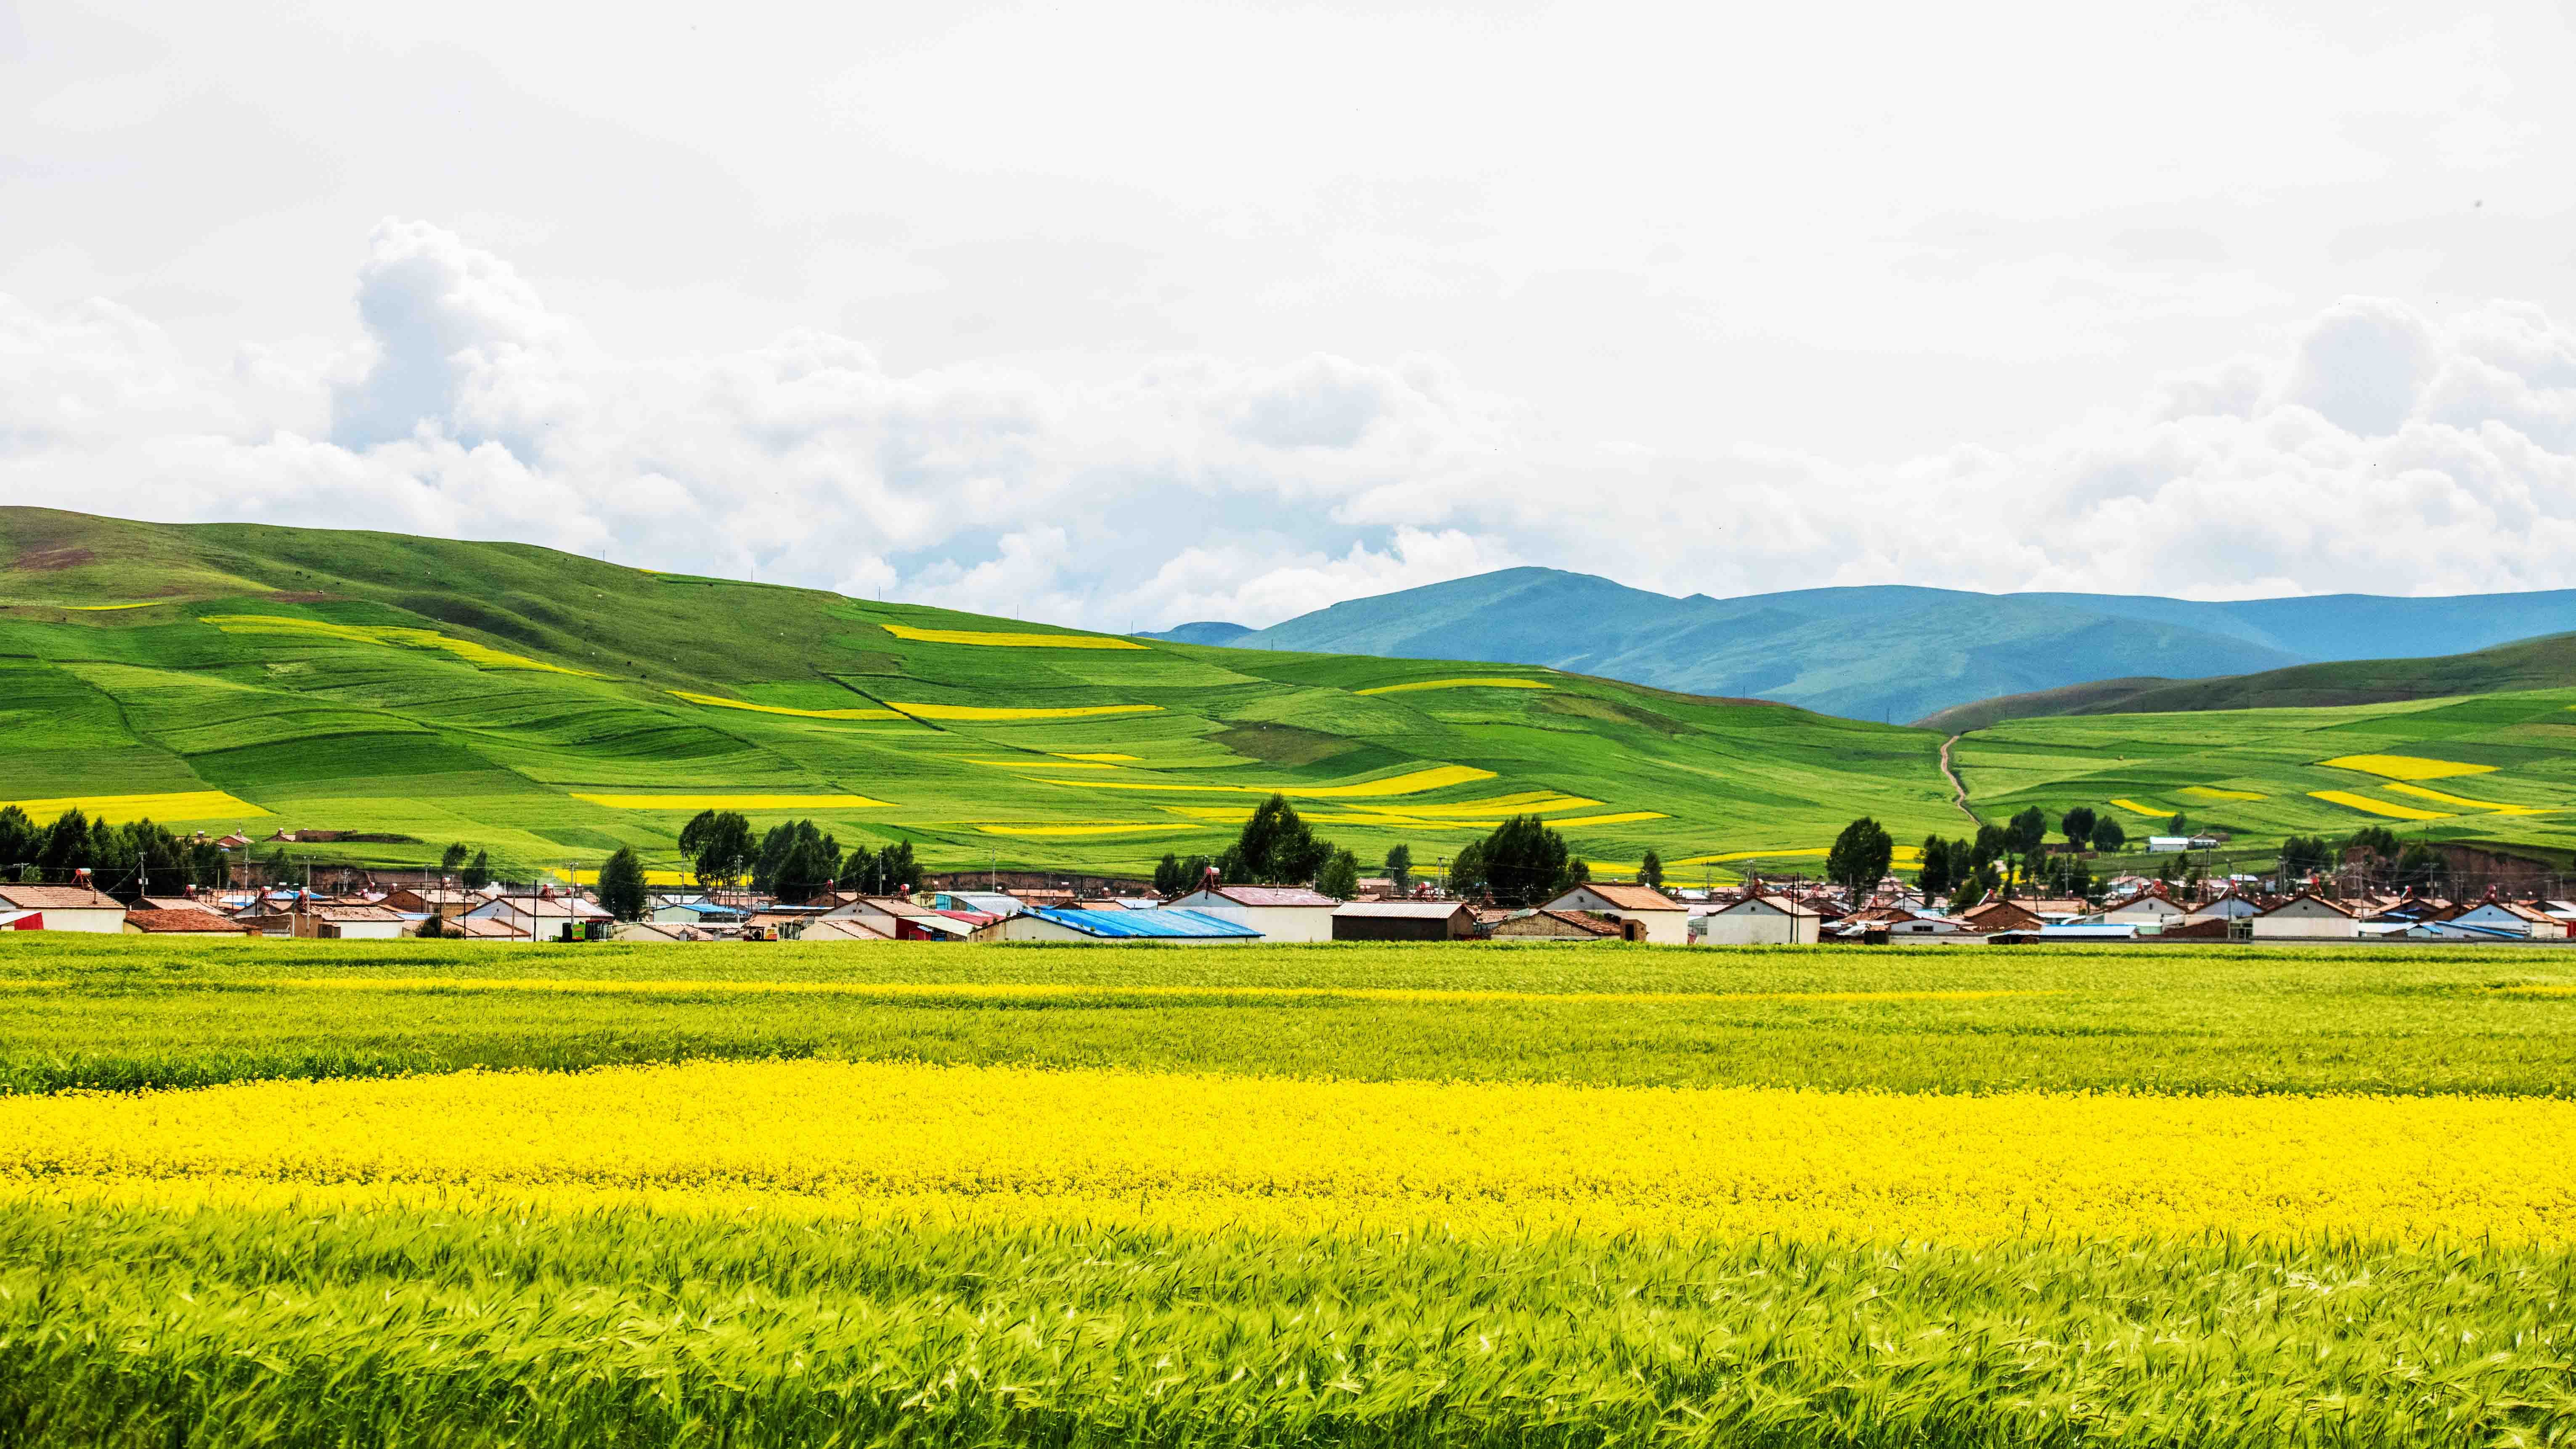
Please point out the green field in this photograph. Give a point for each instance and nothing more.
(2491, 769)
(261, 1258)
(538, 703)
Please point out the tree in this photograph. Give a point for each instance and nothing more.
(2378, 840)
(1167, 875)
(2108, 836)
(1467, 872)
(796, 862)
(478, 871)
(2303, 855)
(2419, 867)
(2027, 832)
(452, 859)
(2179, 825)
(901, 872)
(1990, 844)
(719, 846)
(66, 846)
(1860, 856)
(2078, 826)
(1275, 848)
(1650, 871)
(1340, 877)
(1523, 862)
(621, 885)
(20, 840)
(1399, 868)
(1935, 877)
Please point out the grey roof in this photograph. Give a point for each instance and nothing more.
(1407, 910)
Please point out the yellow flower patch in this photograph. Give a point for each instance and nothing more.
(2136, 808)
(2405, 767)
(1628, 817)
(1045, 991)
(720, 702)
(1514, 1161)
(1528, 802)
(1035, 764)
(2425, 792)
(1009, 641)
(695, 803)
(111, 608)
(118, 809)
(2369, 806)
(1073, 832)
(1815, 853)
(465, 649)
(981, 712)
(1105, 757)
(2212, 792)
(1417, 782)
(1489, 682)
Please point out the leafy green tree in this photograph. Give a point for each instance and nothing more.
(1275, 848)
(719, 846)
(452, 859)
(2108, 837)
(2378, 840)
(1340, 877)
(2027, 832)
(1934, 878)
(1167, 875)
(1399, 868)
(1991, 843)
(2077, 824)
(796, 862)
(2179, 825)
(1650, 871)
(2419, 867)
(1467, 872)
(621, 885)
(478, 871)
(902, 873)
(2304, 854)
(20, 840)
(66, 847)
(1860, 855)
(1524, 862)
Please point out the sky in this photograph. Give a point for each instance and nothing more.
(1125, 315)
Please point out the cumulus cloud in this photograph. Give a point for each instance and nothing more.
(2377, 449)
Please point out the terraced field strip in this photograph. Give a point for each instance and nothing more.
(2426, 792)
(718, 701)
(1077, 832)
(1416, 782)
(988, 713)
(694, 803)
(2212, 792)
(1007, 991)
(2405, 767)
(2383, 808)
(996, 640)
(166, 807)
(2150, 811)
(1014, 1146)
(385, 634)
(1486, 682)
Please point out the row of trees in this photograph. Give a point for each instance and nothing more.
(2412, 865)
(474, 872)
(1521, 863)
(126, 859)
(792, 861)
(2000, 858)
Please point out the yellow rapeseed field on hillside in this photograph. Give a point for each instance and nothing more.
(964, 712)
(1009, 641)
(2366, 805)
(695, 803)
(465, 649)
(718, 701)
(1018, 1146)
(1487, 682)
(168, 807)
(2405, 767)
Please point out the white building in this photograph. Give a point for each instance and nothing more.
(2150, 907)
(2307, 918)
(1761, 921)
(2520, 919)
(1119, 928)
(62, 908)
(1279, 913)
(543, 916)
(1665, 921)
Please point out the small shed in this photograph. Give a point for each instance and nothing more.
(1762, 921)
(1404, 921)
(2307, 916)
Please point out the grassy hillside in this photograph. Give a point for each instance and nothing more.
(552, 708)
(2544, 663)
(1897, 653)
(2497, 768)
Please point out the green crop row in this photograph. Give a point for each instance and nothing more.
(125, 1013)
(223, 1328)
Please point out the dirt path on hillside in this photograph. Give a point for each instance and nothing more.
(1958, 787)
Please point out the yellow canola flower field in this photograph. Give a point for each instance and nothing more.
(2426, 792)
(1008, 641)
(1490, 682)
(718, 701)
(1015, 1146)
(1048, 991)
(1075, 832)
(984, 712)
(1414, 783)
(465, 649)
(117, 809)
(2405, 767)
(2212, 792)
(2136, 808)
(2369, 806)
(695, 803)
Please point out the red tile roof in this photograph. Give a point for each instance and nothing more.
(1256, 895)
(186, 919)
(57, 898)
(1630, 897)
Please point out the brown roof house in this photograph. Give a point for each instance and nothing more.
(1405, 921)
(1553, 926)
(1665, 921)
(62, 908)
(184, 921)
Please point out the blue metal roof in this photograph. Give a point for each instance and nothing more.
(1170, 925)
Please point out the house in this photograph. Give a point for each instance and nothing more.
(2233, 906)
(1278, 913)
(892, 918)
(1665, 921)
(695, 911)
(1535, 925)
(444, 902)
(480, 928)
(831, 928)
(1404, 921)
(63, 908)
(350, 923)
(185, 921)
(547, 917)
(2179, 844)
(2001, 915)
(1119, 928)
(2307, 917)
(2528, 922)
(2151, 908)
(645, 933)
(990, 903)
(1759, 920)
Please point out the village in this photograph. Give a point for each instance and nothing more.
(1793, 912)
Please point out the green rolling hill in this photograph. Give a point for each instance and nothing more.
(551, 708)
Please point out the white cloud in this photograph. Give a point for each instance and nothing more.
(2378, 450)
